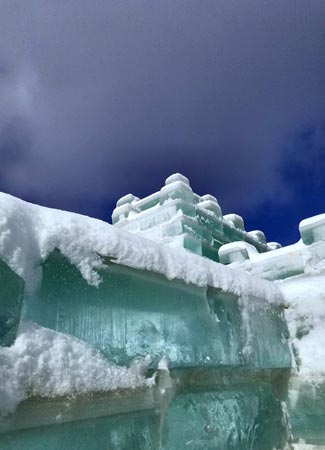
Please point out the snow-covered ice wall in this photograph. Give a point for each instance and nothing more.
(299, 272)
(99, 320)
(193, 353)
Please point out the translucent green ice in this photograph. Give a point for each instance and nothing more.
(227, 358)
(11, 295)
(133, 337)
(196, 409)
(134, 313)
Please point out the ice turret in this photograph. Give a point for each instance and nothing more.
(178, 217)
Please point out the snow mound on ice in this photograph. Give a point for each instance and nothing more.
(47, 363)
(29, 233)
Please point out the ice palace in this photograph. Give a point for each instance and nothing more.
(173, 328)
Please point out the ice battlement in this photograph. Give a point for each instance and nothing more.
(176, 216)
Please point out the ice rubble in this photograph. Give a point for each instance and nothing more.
(29, 233)
(47, 363)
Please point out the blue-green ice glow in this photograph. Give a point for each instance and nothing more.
(126, 343)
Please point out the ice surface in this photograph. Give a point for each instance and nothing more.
(177, 177)
(135, 313)
(235, 220)
(312, 229)
(236, 252)
(198, 410)
(258, 235)
(303, 446)
(229, 417)
(128, 198)
(47, 363)
(305, 297)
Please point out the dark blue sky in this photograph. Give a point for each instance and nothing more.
(103, 98)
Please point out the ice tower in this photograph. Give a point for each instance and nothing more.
(173, 328)
(176, 216)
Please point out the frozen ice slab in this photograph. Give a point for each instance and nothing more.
(236, 252)
(127, 420)
(193, 409)
(306, 409)
(313, 229)
(135, 313)
(11, 296)
(228, 416)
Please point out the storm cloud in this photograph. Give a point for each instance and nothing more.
(105, 97)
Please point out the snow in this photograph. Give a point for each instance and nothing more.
(302, 446)
(258, 235)
(177, 177)
(237, 246)
(312, 221)
(163, 364)
(29, 233)
(305, 315)
(47, 363)
(312, 229)
(235, 220)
